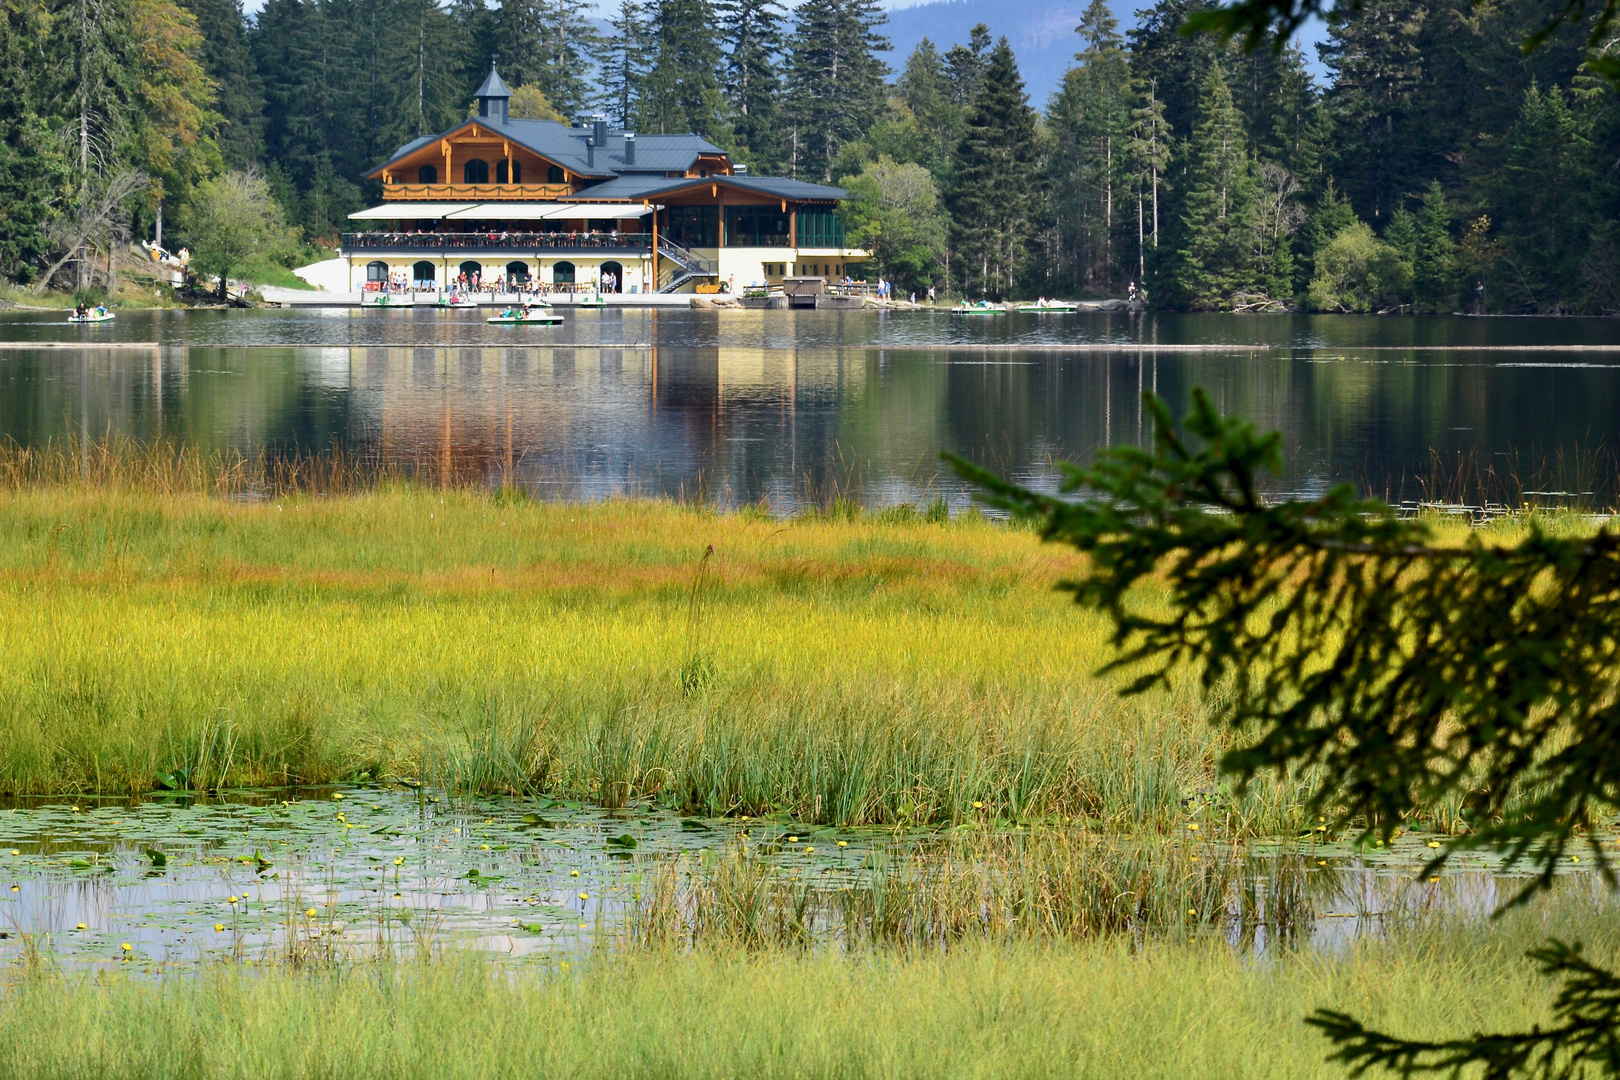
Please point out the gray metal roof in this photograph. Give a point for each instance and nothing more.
(493, 86)
(566, 146)
(649, 187)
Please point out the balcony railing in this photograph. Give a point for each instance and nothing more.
(497, 241)
(475, 192)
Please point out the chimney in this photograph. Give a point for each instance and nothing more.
(590, 152)
(629, 148)
(599, 130)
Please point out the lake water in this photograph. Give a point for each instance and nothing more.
(366, 872)
(792, 407)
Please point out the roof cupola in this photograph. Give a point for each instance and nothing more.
(493, 97)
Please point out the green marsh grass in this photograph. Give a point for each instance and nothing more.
(1098, 1009)
(893, 668)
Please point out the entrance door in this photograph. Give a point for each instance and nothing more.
(612, 277)
(423, 275)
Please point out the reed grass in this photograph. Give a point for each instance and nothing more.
(174, 618)
(1095, 1009)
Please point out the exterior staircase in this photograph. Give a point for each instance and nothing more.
(688, 266)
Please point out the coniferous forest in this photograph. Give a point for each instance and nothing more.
(1438, 168)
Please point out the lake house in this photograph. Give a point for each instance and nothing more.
(574, 207)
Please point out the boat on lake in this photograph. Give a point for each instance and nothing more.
(1049, 307)
(983, 307)
(94, 315)
(525, 316)
(457, 300)
(594, 300)
(387, 300)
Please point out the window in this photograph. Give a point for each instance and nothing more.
(475, 171)
(422, 275)
(427, 174)
(471, 269)
(820, 229)
(517, 172)
(562, 273)
(694, 226)
(376, 271)
(554, 175)
(756, 226)
(517, 272)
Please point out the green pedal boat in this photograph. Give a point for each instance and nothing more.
(1049, 307)
(521, 317)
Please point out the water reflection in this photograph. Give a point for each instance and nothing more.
(788, 407)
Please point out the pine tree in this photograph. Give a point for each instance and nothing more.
(835, 79)
(568, 44)
(1090, 120)
(1434, 256)
(1214, 260)
(683, 88)
(1377, 61)
(33, 169)
(751, 31)
(925, 89)
(625, 58)
(1148, 152)
(515, 43)
(965, 66)
(996, 166)
(1541, 198)
(240, 101)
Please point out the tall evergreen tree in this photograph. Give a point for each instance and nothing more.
(1376, 60)
(926, 90)
(625, 58)
(1541, 198)
(996, 166)
(1213, 261)
(33, 168)
(751, 31)
(569, 43)
(229, 63)
(683, 88)
(836, 90)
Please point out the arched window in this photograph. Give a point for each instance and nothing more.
(427, 174)
(423, 275)
(472, 269)
(554, 175)
(611, 277)
(562, 273)
(500, 172)
(517, 272)
(475, 171)
(376, 271)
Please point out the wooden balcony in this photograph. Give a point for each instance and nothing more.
(477, 192)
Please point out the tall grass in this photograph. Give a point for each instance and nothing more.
(1094, 1009)
(892, 669)
(888, 671)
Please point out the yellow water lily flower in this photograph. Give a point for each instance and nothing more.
(310, 913)
(127, 947)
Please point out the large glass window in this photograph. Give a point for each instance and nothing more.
(500, 172)
(820, 229)
(423, 275)
(694, 226)
(427, 174)
(475, 171)
(376, 271)
(517, 272)
(562, 273)
(756, 226)
(554, 175)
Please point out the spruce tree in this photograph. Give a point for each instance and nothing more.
(683, 88)
(965, 66)
(240, 99)
(835, 80)
(996, 168)
(1541, 196)
(625, 58)
(1217, 220)
(568, 44)
(925, 89)
(33, 168)
(1434, 258)
(751, 31)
